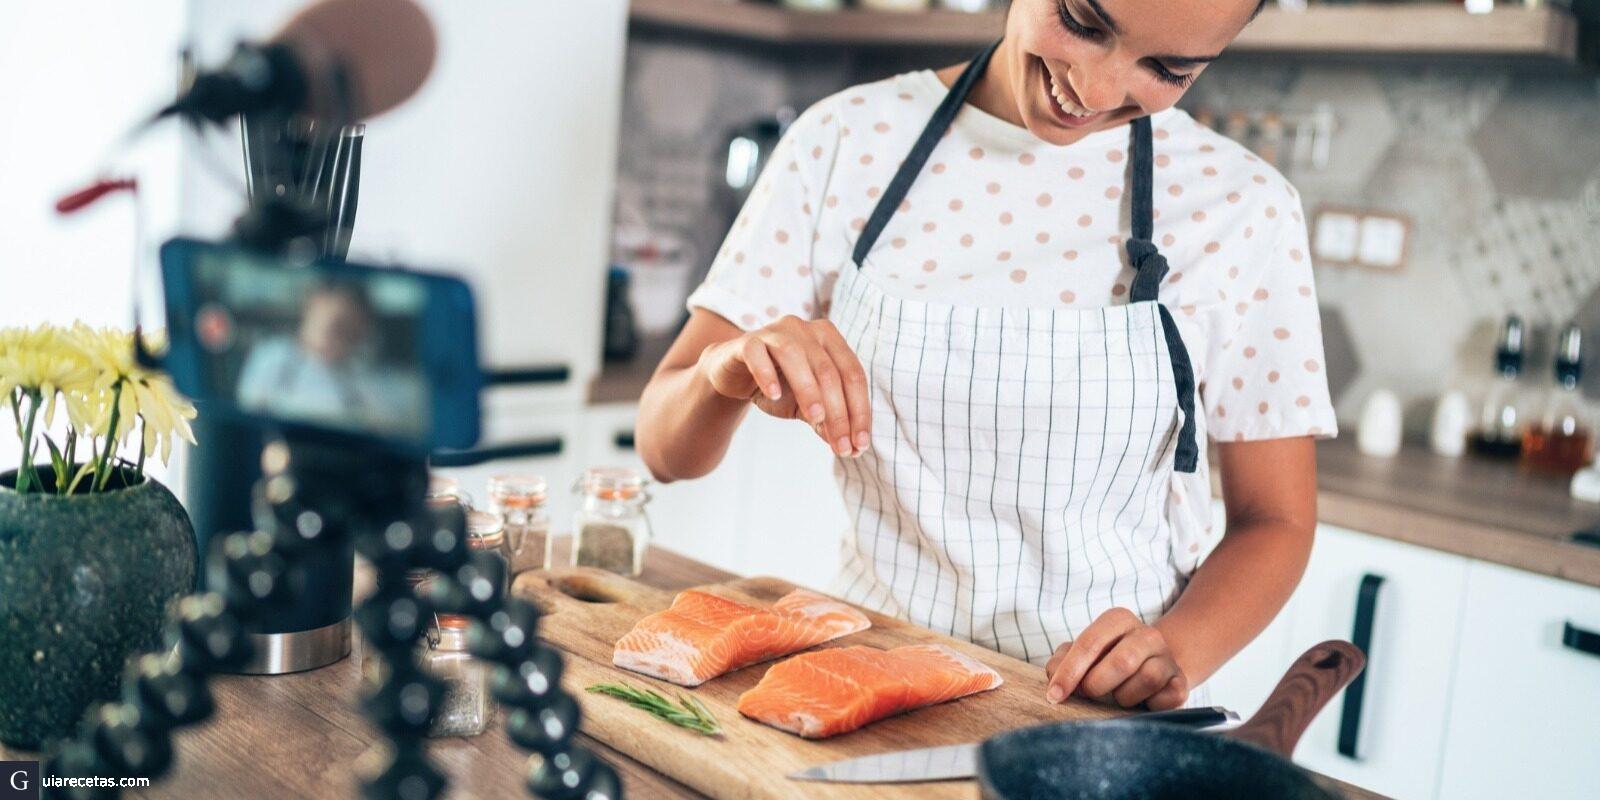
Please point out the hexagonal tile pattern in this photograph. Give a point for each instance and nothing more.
(1431, 103)
(1244, 85)
(1363, 128)
(1439, 184)
(1538, 258)
(1541, 139)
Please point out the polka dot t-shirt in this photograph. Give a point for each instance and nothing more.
(999, 218)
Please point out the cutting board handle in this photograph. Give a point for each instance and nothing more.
(1312, 680)
(578, 586)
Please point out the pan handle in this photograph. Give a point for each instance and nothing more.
(1361, 637)
(1310, 683)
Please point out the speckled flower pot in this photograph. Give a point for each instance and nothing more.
(85, 582)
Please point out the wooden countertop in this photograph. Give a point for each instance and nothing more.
(298, 736)
(1470, 506)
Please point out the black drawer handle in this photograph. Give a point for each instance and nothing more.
(1360, 636)
(483, 455)
(518, 376)
(1583, 641)
(623, 440)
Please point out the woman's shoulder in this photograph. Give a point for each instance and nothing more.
(1228, 165)
(877, 103)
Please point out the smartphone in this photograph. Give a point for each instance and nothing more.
(381, 354)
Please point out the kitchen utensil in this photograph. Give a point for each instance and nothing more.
(960, 761)
(748, 756)
(1130, 759)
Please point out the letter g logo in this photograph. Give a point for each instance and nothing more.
(19, 780)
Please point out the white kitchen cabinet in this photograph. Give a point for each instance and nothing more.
(1415, 625)
(558, 437)
(1525, 720)
(792, 518)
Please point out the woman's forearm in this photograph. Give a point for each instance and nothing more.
(1233, 596)
(684, 425)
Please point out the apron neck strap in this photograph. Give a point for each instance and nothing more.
(912, 166)
(1149, 266)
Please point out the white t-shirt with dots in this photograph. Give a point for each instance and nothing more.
(999, 218)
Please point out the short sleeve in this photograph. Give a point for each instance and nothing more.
(764, 269)
(1266, 379)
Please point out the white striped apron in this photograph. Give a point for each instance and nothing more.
(1022, 459)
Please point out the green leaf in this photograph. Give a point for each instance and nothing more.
(59, 463)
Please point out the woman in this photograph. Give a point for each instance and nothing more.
(961, 281)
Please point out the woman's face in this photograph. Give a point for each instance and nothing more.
(332, 325)
(1079, 66)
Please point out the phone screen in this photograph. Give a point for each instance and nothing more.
(330, 348)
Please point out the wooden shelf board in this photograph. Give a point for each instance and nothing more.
(1541, 32)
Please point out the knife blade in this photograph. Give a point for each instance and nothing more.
(960, 761)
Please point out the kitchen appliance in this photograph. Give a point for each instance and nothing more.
(960, 761)
(1128, 758)
(317, 168)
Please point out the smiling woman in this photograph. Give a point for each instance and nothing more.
(1015, 298)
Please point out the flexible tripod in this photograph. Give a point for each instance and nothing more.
(317, 494)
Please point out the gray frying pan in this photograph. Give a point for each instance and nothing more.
(1128, 760)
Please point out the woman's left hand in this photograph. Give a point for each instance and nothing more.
(1119, 659)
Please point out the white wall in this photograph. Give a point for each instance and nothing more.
(74, 77)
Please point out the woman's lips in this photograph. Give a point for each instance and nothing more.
(1061, 115)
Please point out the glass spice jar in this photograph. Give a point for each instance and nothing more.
(444, 491)
(519, 499)
(464, 708)
(368, 659)
(610, 530)
(486, 532)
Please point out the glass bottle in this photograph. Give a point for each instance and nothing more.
(1562, 440)
(443, 491)
(464, 708)
(1503, 418)
(610, 530)
(486, 532)
(519, 499)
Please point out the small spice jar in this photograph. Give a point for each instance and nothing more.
(486, 532)
(464, 709)
(610, 530)
(519, 499)
(443, 492)
(368, 659)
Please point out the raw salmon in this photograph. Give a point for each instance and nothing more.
(840, 689)
(702, 635)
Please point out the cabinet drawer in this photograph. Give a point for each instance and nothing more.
(1386, 735)
(1525, 709)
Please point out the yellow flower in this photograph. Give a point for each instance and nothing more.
(44, 359)
(146, 395)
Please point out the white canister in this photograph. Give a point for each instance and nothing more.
(1378, 433)
(1452, 419)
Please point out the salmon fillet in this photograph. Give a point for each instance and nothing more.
(702, 635)
(840, 689)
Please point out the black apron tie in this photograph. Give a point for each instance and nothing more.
(1150, 267)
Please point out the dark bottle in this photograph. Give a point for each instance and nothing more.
(1503, 418)
(1561, 440)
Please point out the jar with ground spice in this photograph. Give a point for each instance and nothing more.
(464, 709)
(610, 530)
(486, 532)
(444, 492)
(519, 499)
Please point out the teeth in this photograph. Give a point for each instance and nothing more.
(1066, 104)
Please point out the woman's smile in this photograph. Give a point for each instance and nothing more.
(1063, 102)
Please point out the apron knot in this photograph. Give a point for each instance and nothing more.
(1149, 268)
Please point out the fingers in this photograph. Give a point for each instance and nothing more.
(858, 401)
(1122, 663)
(1151, 677)
(762, 370)
(1086, 651)
(1174, 695)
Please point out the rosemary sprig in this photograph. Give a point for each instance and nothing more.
(689, 713)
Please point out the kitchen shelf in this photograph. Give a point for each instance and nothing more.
(1416, 29)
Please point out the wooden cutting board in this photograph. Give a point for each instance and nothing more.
(589, 610)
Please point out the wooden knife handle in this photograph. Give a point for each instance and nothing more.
(1310, 683)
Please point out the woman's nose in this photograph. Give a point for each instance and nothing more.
(1099, 85)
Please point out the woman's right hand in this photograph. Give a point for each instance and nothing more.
(797, 369)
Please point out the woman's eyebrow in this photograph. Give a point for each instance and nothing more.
(1176, 61)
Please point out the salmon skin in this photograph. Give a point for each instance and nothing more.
(840, 689)
(702, 635)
